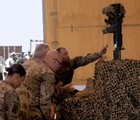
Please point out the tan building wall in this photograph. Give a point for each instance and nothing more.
(78, 24)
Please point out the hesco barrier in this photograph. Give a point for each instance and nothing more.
(116, 94)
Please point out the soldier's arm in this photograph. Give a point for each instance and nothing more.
(46, 92)
(61, 92)
(12, 105)
(84, 60)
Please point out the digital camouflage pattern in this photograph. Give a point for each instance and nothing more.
(36, 90)
(30, 62)
(9, 102)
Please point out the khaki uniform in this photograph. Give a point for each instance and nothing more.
(36, 91)
(9, 102)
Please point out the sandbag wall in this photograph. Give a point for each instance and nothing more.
(116, 94)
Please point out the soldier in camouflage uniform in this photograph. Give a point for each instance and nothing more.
(39, 53)
(37, 90)
(64, 76)
(9, 100)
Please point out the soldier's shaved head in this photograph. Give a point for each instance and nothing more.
(54, 59)
(41, 50)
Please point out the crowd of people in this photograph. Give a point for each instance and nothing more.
(12, 59)
(33, 89)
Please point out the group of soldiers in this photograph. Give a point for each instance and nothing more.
(48, 82)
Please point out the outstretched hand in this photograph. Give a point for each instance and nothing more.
(103, 50)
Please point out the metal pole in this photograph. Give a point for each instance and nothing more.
(31, 45)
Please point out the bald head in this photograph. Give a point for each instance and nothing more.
(41, 50)
(54, 59)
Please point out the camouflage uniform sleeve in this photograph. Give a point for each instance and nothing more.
(12, 105)
(46, 91)
(84, 60)
(59, 94)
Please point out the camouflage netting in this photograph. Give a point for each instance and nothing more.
(116, 94)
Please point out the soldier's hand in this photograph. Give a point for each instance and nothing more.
(103, 50)
(69, 87)
(53, 111)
